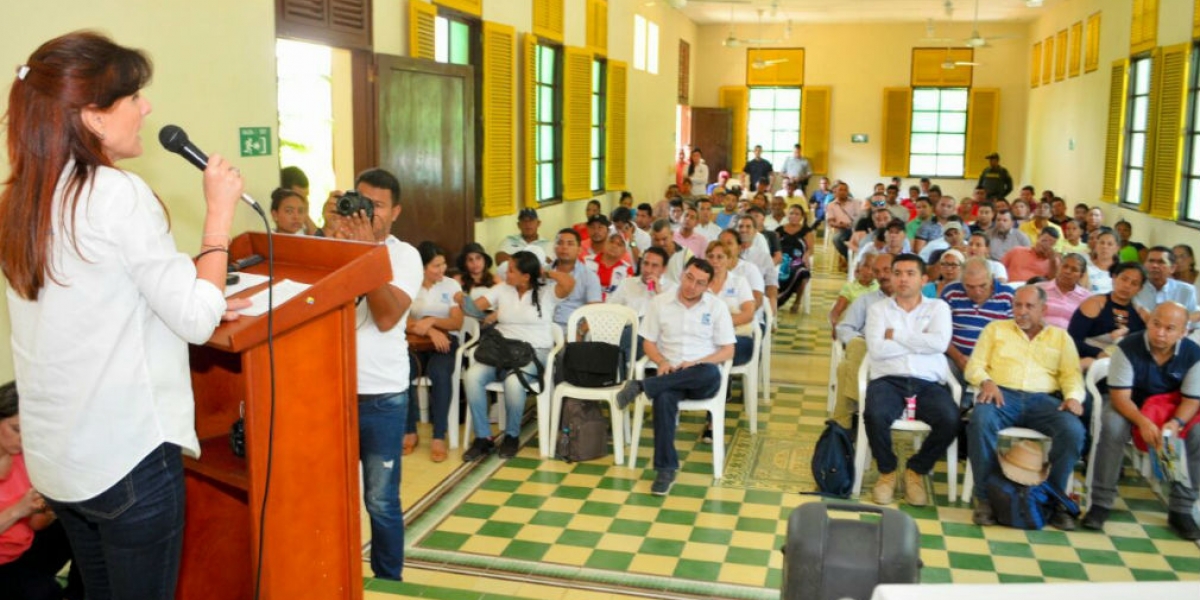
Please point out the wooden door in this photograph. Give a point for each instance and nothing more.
(712, 133)
(425, 129)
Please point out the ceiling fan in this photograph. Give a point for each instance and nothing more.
(682, 4)
(762, 64)
(976, 40)
(732, 41)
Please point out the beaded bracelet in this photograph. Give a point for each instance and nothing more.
(211, 250)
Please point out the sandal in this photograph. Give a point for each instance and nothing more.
(410, 443)
(438, 450)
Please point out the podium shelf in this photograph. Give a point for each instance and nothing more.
(217, 461)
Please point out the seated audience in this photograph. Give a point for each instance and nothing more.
(1072, 240)
(595, 236)
(593, 208)
(1028, 375)
(906, 337)
(1160, 287)
(924, 214)
(294, 179)
(1059, 216)
(796, 239)
(704, 212)
(728, 215)
(626, 200)
(687, 235)
(985, 218)
(944, 211)
(687, 335)
(1004, 237)
(474, 270)
(1041, 260)
(434, 314)
(33, 544)
(949, 270)
(1185, 265)
(750, 272)
(289, 211)
(1105, 245)
(863, 283)
(977, 245)
(952, 237)
(612, 266)
(527, 236)
(974, 302)
(1092, 223)
(1158, 361)
(1105, 319)
(636, 239)
(1020, 212)
(1063, 293)
(661, 236)
(752, 250)
(638, 292)
(587, 284)
(1040, 220)
(734, 291)
(644, 217)
(849, 333)
(1130, 250)
(868, 224)
(524, 305)
(841, 213)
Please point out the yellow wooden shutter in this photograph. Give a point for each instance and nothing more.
(814, 127)
(897, 126)
(1114, 138)
(1196, 20)
(929, 67)
(1091, 60)
(983, 126)
(1135, 26)
(1167, 142)
(577, 123)
(529, 129)
(499, 120)
(597, 26)
(614, 126)
(1035, 66)
(1060, 56)
(548, 19)
(421, 16)
(737, 99)
(1143, 31)
(1076, 59)
(775, 66)
(1048, 60)
(471, 7)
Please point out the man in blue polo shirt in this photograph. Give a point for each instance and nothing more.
(974, 302)
(1161, 287)
(1159, 360)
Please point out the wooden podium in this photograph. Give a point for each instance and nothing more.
(312, 535)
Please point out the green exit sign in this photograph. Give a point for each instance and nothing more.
(255, 141)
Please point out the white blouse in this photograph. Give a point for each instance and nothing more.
(101, 357)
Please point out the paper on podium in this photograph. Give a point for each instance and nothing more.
(245, 282)
(284, 290)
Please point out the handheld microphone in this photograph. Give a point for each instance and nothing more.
(175, 139)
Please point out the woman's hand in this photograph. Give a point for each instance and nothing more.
(441, 341)
(223, 186)
(422, 326)
(232, 306)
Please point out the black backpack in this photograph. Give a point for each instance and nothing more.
(590, 364)
(833, 461)
(508, 357)
(584, 432)
(1025, 506)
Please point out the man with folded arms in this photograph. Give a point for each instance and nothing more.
(1028, 376)
(1159, 360)
(686, 335)
(849, 333)
(906, 338)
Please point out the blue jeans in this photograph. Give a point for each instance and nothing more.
(475, 383)
(439, 367)
(1036, 411)
(380, 444)
(128, 539)
(743, 350)
(935, 407)
(666, 391)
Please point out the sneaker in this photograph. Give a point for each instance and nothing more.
(983, 515)
(510, 446)
(1095, 518)
(1184, 525)
(663, 482)
(707, 436)
(885, 488)
(480, 448)
(629, 393)
(1062, 520)
(914, 488)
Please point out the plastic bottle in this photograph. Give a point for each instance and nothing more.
(910, 408)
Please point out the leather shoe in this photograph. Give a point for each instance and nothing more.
(983, 514)
(1062, 520)
(1184, 525)
(1095, 518)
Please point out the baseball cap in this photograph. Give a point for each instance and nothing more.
(599, 219)
(993, 155)
(952, 225)
(527, 213)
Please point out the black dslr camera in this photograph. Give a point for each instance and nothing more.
(351, 202)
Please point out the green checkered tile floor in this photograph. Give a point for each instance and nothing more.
(596, 525)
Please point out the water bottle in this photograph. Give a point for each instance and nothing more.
(910, 408)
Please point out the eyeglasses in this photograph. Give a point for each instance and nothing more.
(953, 265)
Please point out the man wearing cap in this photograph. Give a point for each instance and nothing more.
(1028, 375)
(1156, 361)
(756, 169)
(722, 177)
(597, 230)
(952, 239)
(527, 224)
(686, 235)
(611, 265)
(798, 169)
(995, 178)
(587, 283)
(1041, 260)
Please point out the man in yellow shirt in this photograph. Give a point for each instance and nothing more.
(1028, 376)
(1040, 220)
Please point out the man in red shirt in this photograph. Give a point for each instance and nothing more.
(1041, 260)
(612, 265)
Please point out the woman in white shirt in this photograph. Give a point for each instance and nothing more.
(524, 308)
(1105, 247)
(697, 171)
(435, 314)
(734, 291)
(103, 307)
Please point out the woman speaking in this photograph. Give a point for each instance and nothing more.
(102, 308)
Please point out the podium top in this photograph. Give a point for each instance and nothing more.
(338, 272)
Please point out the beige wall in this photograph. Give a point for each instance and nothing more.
(214, 72)
(1076, 109)
(857, 61)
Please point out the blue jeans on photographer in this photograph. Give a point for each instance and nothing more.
(380, 443)
(128, 540)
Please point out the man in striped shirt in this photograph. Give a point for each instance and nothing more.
(975, 301)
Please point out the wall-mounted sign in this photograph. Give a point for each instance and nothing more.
(254, 141)
(858, 138)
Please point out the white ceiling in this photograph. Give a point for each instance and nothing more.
(705, 12)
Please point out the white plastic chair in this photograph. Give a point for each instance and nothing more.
(749, 373)
(714, 406)
(862, 448)
(764, 354)
(1098, 371)
(837, 353)
(605, 323)
(469, 331)
(543, 398)
(1020, 433)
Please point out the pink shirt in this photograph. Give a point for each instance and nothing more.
(698, 243)
(1024, 264)
(1060, 306)
(15, 540)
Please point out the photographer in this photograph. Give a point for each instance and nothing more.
(383, 370)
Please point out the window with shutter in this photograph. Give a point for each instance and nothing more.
(1114, 138)
(576, 123)
(773, 122)
(422, 30)
(814, 127)
(499, 120)
(1166, 157)
(983, 127)
(336, 23)
(938, 132)
(937, 67)
(734, 97)
(598, 125)
(1139, 108)
(775, 67)
(685, 71)
(1076, 59)
(1035, 66)
(1091, 60)
(615, 152)
(597, 26)
(1048, 60)
(1190, 209)
(1060, 56)
(1143, 30)
(529, 61)
(470, 7)
(548, 19)
(897, 123)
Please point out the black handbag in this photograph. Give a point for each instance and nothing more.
(508, 357)
(590, 364)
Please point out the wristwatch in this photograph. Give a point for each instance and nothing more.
(1181, 422)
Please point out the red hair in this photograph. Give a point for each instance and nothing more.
(45, 131)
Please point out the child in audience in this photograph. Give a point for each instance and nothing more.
(288, 210)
